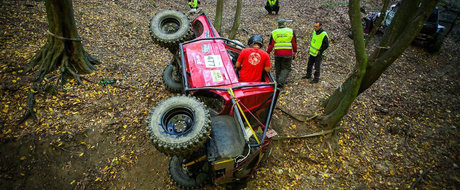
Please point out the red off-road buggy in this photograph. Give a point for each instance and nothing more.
(217, 131)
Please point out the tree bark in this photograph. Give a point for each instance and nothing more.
(236, 21)
(333, 116)
(219, 10)
(63, 50)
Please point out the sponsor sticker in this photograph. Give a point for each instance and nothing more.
(217, 76)
(197, 60)
(205, 48)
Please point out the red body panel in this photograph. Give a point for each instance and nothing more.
(208, 64)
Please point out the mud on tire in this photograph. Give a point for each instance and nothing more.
(179, 126)
(168, 28)
(171, 79)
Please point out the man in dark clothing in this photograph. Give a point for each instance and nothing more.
(272, 5)
(319, 43)
(283, 40)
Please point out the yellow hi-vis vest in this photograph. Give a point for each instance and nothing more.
(193, 4)
(283, 38)
(272, 2)
(316, 42)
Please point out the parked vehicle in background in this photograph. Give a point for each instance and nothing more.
(431, 36)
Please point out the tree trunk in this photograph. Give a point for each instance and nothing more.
(333, 116)
(63, 49)
(219, 10)
(398, 36)
(236, 22)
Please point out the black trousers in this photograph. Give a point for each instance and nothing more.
(270, 9)
(282, 68)
(314, 62)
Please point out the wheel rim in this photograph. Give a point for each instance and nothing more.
(169, 25)
(178, 121)
(186, 170)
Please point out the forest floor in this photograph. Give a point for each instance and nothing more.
(402, 132)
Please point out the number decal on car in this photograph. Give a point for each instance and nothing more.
(213, 61)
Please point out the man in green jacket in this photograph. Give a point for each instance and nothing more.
(319, 44)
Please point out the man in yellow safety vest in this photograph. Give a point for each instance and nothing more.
(283, 40)
(272, 5)
(193, 4)
(319, 44)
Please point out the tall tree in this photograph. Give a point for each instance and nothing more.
(63, 51)
(236, 21)
(219, 10)
(408, 21)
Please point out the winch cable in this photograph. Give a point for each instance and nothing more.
(253, 116)
(230, 91)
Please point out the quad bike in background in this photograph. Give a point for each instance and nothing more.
(217, 131)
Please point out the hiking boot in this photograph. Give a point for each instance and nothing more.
(314, 81)
(306, 77)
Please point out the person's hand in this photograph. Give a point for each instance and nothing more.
(294, 55)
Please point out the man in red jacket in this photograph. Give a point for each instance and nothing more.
(253, 61)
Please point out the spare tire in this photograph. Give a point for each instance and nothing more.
(179, 126)
(171, 78)
(168, 28)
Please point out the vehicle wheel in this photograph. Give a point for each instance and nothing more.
(435, 46)
(171, 78)
(179, 125)
(187, 177)
(168, 28)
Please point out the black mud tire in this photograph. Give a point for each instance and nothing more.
(179, 112)
(168, 28)
(186, 179)
(436, 44)
(171, 79)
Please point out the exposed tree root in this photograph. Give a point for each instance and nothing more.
(321, 133)
(295, 117)
(30, 106)
(53, 58)
(419, 179)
